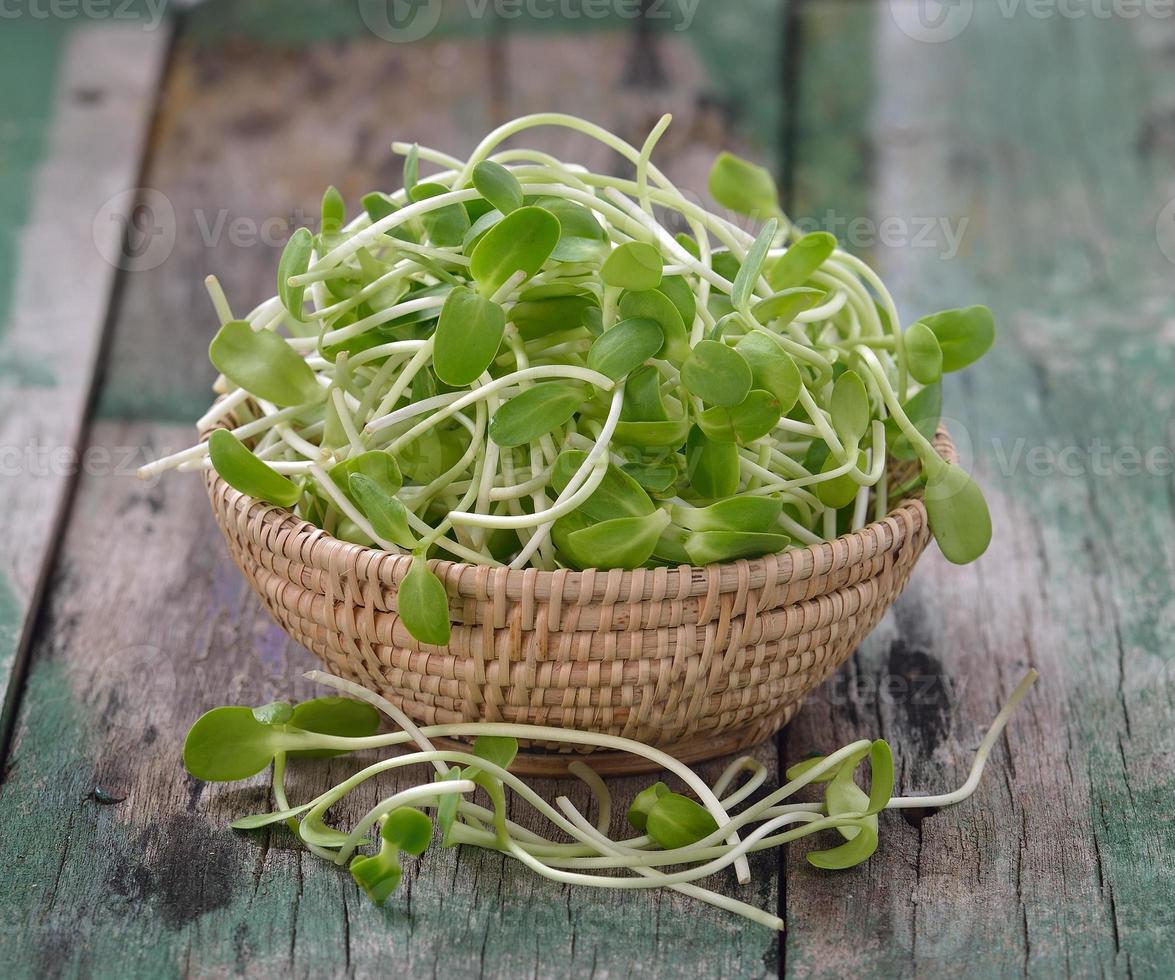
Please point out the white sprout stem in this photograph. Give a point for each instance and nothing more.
(981, 754)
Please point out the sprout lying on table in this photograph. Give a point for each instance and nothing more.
(698, 836)
(517, 362)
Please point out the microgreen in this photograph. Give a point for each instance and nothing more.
(295, 260)
(498, 186)
(964, 335)
(446, 225)
(743, 186)
(496, 361)
(263, 364)
(533, 413)
(423, 604)
(469, 333)
(519, 244)
(633, 265)
(243, 471)
(625, 347)
(803, 257)
(700, 830)
(717, 374)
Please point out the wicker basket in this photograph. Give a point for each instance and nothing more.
(702, 661)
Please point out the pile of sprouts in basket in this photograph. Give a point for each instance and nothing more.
(699, 834)
(517, 361)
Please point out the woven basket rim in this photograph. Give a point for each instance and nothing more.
(269, 522)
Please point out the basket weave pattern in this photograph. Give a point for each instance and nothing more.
(705, 661)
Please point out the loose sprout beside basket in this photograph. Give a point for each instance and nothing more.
(515, 361)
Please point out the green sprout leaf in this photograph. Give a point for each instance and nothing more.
(344, 717)
(424, 605)
(407, 829)
(646, 799)
(227, 744)
(849, 407)
(334, 212)
(469, 333)
(274, 713)
(411, 167)
(677, 821)
(958, 514)
(581, 237)
(751, 514)
(623, 542)
(923, 354)
(618, 494)
(534, 412)
(633, 265)
(388, 517)
(751, 419)
(498, 749)
(717, 374)
(378, 875)
(498, 186)
(445, 226)
(652, 304)
(841, 490)
(709, 547)
(779, 309)
(626, 346)
(964, 335)
(376, 465)
(447, 807)
(294, 261)
(743, 187)
(711, 467)
(678, 290)
(244, 472)
(796, 265)
(521, 242)
(772, 368)
(752, 267)
(263, 364)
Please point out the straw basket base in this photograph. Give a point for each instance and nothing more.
(553, 765)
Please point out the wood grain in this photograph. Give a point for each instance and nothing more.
(1044, 136)
(97, 86)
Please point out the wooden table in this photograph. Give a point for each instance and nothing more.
(1025, 162)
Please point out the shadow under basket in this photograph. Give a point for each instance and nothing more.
(701, 662)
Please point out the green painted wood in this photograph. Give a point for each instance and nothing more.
(1052, 138)
(76, 103)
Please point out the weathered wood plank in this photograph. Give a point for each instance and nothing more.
(77, 104)
(1047, 136)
